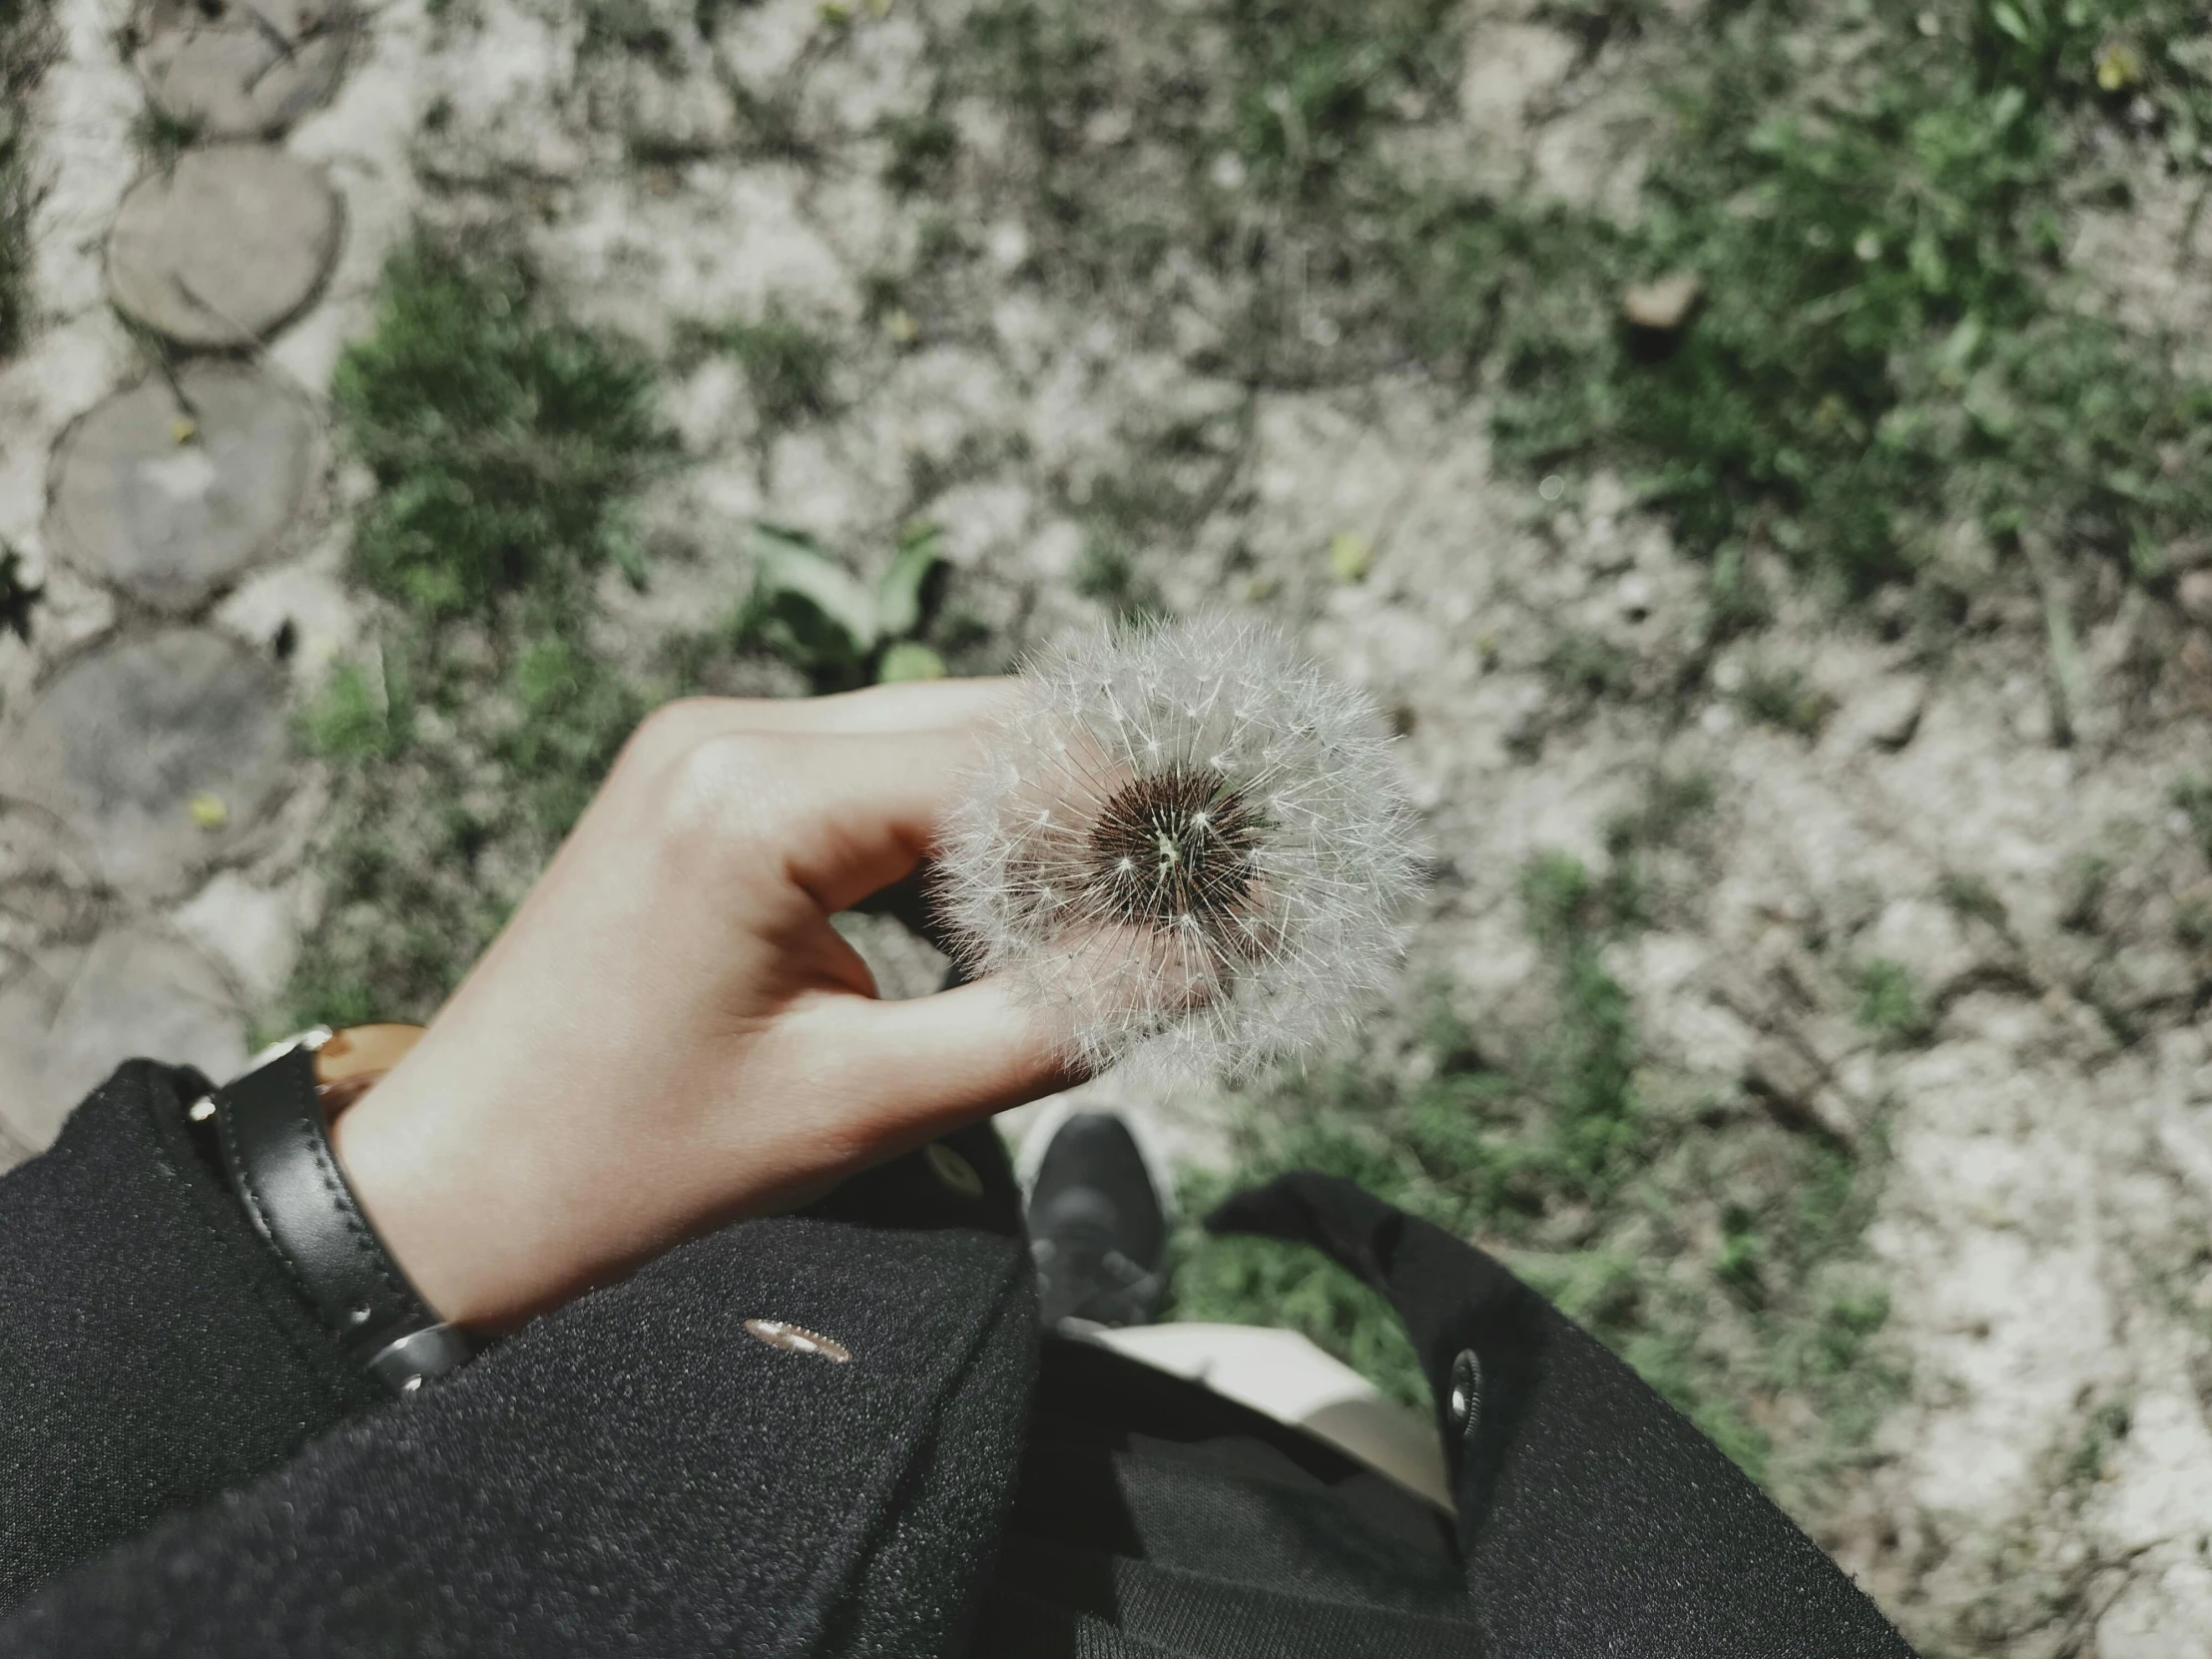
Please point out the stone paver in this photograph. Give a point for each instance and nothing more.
(47, 886)
(160, 751)
(60, 1015)
(172, 488)
(225, 247)
(139, 758)
(242, 68)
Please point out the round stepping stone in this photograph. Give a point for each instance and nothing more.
(223, 247)
(48, 888)
(160, 753)
(75, 1013)
(169, 491)
(242, 68)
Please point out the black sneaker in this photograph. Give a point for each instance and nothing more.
(1097, 1227)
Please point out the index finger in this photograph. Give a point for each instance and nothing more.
(912, 705)
(863, 810)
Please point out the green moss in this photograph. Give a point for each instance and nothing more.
(1316, 84)
(572, 711)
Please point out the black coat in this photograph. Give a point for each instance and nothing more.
(187, 1466)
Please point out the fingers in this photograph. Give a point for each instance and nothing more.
(932, 1064)
(847, 791)
(865, 809)
(917, 706)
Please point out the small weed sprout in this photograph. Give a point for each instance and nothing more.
(1189, 849)
(1891, 1005)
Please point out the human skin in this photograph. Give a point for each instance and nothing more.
(668, 1034)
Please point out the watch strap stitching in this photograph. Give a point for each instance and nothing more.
(249, 1189)
(374, 1311)
(318, 1145)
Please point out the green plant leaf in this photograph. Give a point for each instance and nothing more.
(898, 594)
(807, 606)
(910, 660)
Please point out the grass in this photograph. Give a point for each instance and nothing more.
(2192, 798)
(1110, 573)
(1589, 666)
(1973, 898)
(508, 446)
(163, 136)
(923, 151)
(1781, 695)
(505, 444)
(1889, 353)
(1889, 345)
(1718, 1251)
(1886, 346)
(788, 366)
(1891, 1006)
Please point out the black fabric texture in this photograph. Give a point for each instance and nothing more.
(151, 1352)
(635, 1475)
(1018, 1626)
(1593, 1518)
(638, 1473)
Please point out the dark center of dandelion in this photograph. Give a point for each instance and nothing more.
(1175, 849)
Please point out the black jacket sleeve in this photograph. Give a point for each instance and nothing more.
(151, 1353)
(1593, 1518)
(653, 1469)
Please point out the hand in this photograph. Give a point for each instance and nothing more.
(668, 1034)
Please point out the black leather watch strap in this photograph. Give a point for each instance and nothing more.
(275, 1147)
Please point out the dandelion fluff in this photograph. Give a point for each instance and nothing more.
(1185, 847)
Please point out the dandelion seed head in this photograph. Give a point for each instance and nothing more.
(1189, 848)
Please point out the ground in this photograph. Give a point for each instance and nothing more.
(1755, 454)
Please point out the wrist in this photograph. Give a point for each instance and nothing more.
(422, 1189)
(269, 1128)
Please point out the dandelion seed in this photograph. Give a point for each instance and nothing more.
(1188, 848)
